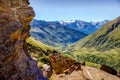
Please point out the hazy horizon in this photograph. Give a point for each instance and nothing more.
(86, 10)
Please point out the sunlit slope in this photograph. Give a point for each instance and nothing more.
(104, 39)
(39, 50)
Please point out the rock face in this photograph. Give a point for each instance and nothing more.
(62, 64)
(15, 61)
(108, 69)
(47, 70)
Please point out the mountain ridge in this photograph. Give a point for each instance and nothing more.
(55, 33)
(108, 32)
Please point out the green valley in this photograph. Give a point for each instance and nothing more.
(102, 47)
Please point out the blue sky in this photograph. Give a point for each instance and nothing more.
(87, 10)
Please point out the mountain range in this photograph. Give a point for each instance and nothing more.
(62, 33)
(86, 27)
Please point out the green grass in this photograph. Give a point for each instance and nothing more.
(93, 65)
(39, 50)
(110, 58)
(38, 44)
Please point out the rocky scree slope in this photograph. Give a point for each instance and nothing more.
(15, 61)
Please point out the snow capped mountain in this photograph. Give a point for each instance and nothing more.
(86, 27)
(64, 22)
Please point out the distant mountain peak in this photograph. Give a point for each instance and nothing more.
(66, 21)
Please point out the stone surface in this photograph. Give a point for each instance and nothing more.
(67, 69)
(47, 70)
(15, 61)
(87, 73)
(61, 64)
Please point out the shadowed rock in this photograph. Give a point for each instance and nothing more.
(118, 74)
(108, 69)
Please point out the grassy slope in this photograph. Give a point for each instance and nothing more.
(38, 44)
(39, 50)
(101, 40)
(102, 47)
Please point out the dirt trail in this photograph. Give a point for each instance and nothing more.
(87, 73)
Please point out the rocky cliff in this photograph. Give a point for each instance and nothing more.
(15, 61)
